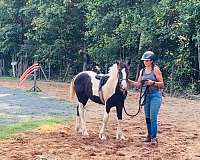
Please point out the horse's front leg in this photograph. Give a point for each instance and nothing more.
(82, 113)
(119, 134)
(102, 134)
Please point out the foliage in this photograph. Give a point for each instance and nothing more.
(59, 33)
(8, 78)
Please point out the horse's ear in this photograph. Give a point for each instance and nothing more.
(128, 63)
(119, 62)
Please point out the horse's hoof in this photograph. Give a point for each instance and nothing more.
(102, 136)
(85, 133)
(78, 130)
(120, 137)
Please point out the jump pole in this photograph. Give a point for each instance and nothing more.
(29, 71)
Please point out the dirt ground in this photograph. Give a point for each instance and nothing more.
(178, 136)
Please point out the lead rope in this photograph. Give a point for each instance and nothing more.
(141, 96)
(140, 104)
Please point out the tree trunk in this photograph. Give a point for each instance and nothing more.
(199, 57)
(198, 82)
(25, 63)
(172, 81)
(20, 67)
(85, 62)
(139, 46)
(1, 67)
(66, 73)
(49, 71)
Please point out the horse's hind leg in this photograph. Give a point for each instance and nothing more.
(78, 121)
(82, 113)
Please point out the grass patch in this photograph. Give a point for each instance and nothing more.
(8, 78)
(9, 130)
(33, 93)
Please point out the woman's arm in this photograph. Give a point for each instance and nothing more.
(159, 78)
(136, 83)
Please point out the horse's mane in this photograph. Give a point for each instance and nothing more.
(110, 85)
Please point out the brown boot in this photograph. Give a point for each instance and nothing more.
(147, 139)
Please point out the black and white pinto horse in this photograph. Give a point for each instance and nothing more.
(110, 90)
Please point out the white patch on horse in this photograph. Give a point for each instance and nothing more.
(110, 85)
(124, 83)
(95, 82)
(123, 73)
(102, 133)
(82, 113)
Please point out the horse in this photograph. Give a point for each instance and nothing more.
(109, 90)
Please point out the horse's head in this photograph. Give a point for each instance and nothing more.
(124, 68)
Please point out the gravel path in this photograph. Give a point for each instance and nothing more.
(17, 105)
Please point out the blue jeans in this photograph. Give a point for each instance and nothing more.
(151, 109)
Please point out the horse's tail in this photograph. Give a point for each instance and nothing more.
(72, 90)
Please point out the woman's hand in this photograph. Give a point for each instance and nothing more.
(149, 82)
(133, 83)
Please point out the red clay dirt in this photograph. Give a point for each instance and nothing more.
(178, 136)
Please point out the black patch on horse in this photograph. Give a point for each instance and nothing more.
(117, 99)
(103, 80)
(83, 87)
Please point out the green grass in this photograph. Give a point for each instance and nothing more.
(9, 130)
(8, 78)
(33, 93)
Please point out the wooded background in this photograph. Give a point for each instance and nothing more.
(60, 34)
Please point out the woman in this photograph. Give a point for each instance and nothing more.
(151, 81)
